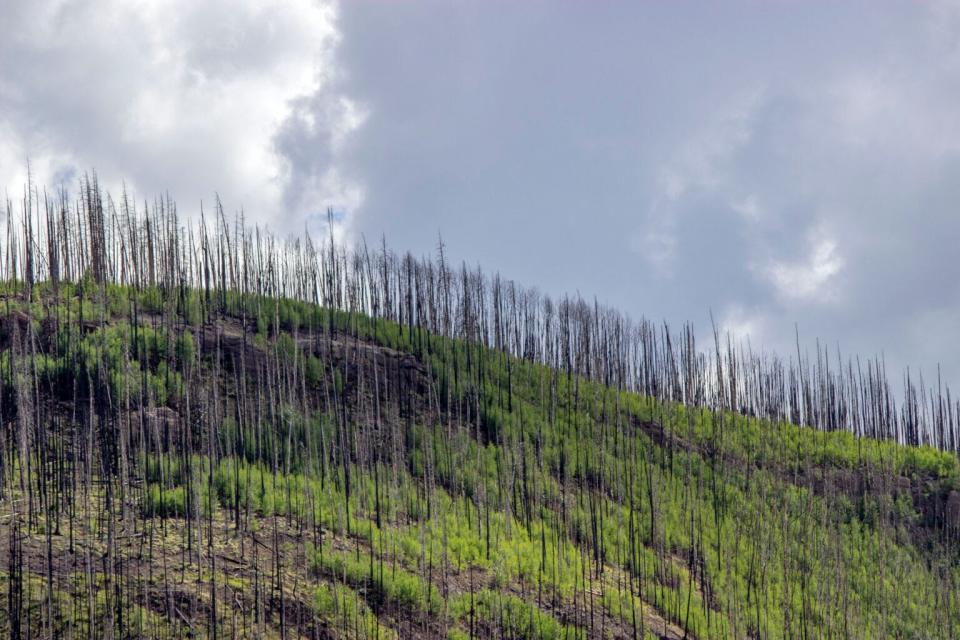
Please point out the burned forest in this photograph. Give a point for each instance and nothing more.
(209, 431)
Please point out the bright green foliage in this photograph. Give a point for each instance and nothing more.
(389, 583)
(349, 614)
(482, 492)
(514, 616)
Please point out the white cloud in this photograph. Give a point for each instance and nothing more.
(744, 323)
(178, 96)
(813, 278)
(748, 207)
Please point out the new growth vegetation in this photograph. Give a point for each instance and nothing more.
(209, 432)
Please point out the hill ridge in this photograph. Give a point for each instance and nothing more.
(200, 440)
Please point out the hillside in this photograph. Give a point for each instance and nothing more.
(208, 434)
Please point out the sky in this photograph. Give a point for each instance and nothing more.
(782, 165)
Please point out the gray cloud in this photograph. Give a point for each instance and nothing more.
(777, 164)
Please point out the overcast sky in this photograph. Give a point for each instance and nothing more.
(776, 163)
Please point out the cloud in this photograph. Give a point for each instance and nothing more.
(813, 279)
(311, 142)
(780, 166)
(181, 97)
(700, 163)
(702, 160)
(748, 207)
(746, 324)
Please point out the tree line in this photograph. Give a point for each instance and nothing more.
(62, 238)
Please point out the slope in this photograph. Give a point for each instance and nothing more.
(210, 463)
